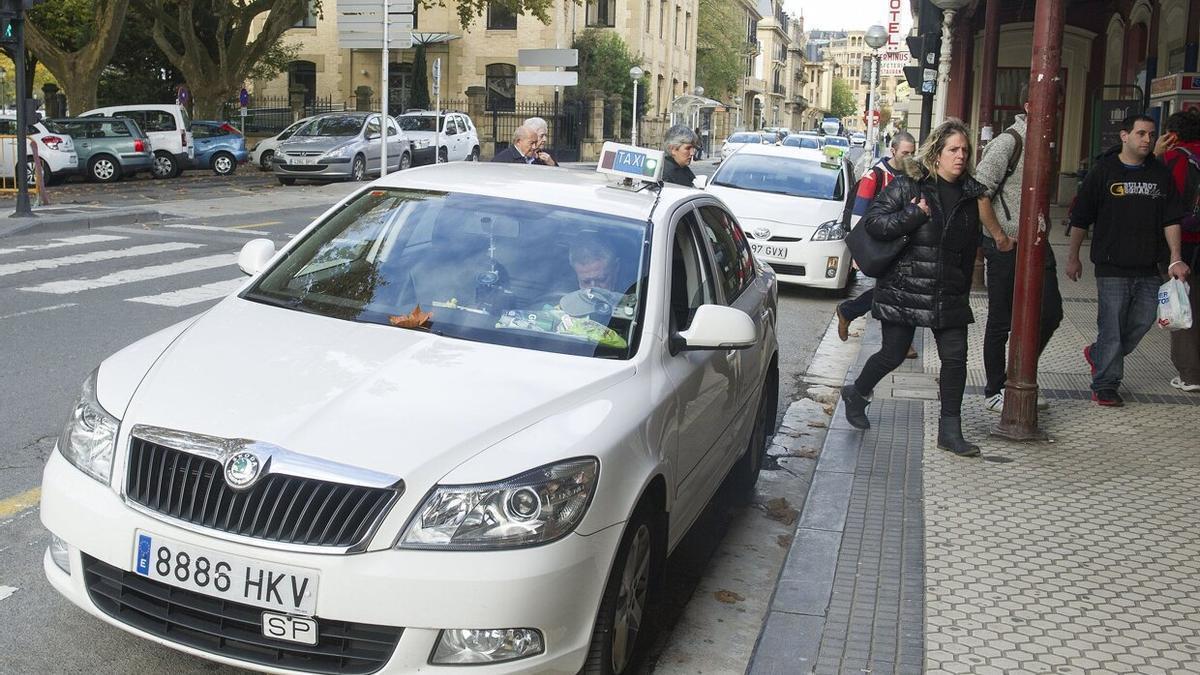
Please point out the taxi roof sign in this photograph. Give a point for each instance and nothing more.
(630, 161)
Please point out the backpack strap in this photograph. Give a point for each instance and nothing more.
(1014, 158)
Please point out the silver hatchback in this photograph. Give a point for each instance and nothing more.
(341, 146)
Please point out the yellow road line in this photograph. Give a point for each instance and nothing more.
(254, 225)
(18, 503)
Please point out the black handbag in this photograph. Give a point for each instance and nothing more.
(874, 257)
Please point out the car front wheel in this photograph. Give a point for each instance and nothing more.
(224, 164)
(626, 613)
(165, 165)
(405, 161)
(358, 171)
(264, 160)
(474, 156)
(745, 472)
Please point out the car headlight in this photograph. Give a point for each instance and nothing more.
(830, 230)
(340, 152)
(88, 439)
(534, 507)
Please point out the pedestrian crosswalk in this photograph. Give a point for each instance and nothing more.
(151, 270)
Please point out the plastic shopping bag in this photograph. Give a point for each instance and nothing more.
(1174, 312)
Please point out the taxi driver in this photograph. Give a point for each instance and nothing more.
(594, 262)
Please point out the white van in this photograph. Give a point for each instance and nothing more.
(169, 128)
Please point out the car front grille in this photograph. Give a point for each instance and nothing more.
(790, 270)
(231, 629)
(304, 167)
(279, 507)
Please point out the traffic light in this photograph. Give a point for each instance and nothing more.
(926, 49)
(8, 30)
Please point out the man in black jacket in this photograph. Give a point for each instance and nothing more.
(522, 149)
(1131, 201)
(679, 147)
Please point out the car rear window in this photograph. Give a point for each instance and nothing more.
(745, 138)
(417, 123)
(781, 175)
(471, 267)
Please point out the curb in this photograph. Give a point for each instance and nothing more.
(77, 221)
(791, 634)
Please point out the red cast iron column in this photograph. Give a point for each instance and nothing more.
(987, 82)
(1019, 420)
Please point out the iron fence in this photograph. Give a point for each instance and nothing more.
(272, 114)
(565, 123)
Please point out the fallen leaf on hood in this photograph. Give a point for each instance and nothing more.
(728, 597)
(414, 319)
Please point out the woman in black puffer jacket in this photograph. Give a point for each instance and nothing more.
(935, 205)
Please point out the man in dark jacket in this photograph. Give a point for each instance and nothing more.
(679, 146)
(522, 149)
(1131, 202)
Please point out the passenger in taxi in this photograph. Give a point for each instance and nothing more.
(595, 263)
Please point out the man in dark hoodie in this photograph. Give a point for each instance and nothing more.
(1131, 200)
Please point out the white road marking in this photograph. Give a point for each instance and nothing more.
(191, 296)
(213, 228)
(134, 275)
(65, 241)
(7, 591)
(94, 256)
(39, 310)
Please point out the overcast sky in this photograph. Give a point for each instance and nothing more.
(845, 14)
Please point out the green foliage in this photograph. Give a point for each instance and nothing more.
(138, 72)
(469, 10)
(604, 63)
(66, 23)
(419, 98)
(720, 51)
(842, 103)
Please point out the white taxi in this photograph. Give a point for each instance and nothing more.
(791, 202)
(445, 429)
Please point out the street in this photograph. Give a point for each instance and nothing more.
(70, 298)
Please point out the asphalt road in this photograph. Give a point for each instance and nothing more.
(65, 306)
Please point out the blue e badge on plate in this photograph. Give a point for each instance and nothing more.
(143, 554)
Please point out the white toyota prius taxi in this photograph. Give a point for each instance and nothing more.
(791, 202)
(456, 425)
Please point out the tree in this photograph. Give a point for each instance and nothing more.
(720, 52)
(75, 39)
(842, 103)
(208, 41)
(419, 98)
(604, 63)
(138, 71)
(468, 10)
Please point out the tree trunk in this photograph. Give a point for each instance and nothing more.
(78, 72)
(209, 97)
(80, 89)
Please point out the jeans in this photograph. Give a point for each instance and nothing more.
(858, 306)
(1001, 282)
(1185, 344)
(952, 348)
(1128, 307)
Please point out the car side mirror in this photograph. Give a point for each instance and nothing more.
(373, 137)
(255, 255)
(699, 182)
(716, 327)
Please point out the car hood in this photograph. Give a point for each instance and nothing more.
(311, 143)
(749, 206)
(396, 401)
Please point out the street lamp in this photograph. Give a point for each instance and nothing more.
(635, 74)
(949, 8)
(877, 36)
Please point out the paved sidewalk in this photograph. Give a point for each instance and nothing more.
(1076, 555)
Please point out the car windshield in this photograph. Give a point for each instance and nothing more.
(470, 267)
(418, 123)
(287, 133)
(836, 140)
(339, 125)
(745, 138)
(781, 175)
(802, 142)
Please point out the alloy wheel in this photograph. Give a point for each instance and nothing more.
(103, 170)
(223, 165)
(631, 599)
(164, 166)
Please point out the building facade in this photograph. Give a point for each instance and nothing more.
(850, 58)
(771, 63)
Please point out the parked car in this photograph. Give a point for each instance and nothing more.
(453, 458)
(840, 142)
(56, 149)
(858, 139)
(803, 140)
(741, 138)
(791, 202)
(263, 152)
(219, 146)
(109, 148)
(341, 146)
(168, 128)
(459, 140)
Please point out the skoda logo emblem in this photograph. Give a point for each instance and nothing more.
(241, 470)
(762, 233)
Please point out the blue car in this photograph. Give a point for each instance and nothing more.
(219, 146)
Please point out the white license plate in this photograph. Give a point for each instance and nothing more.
(252, 582)
(304, 160)
(769, 251)
(290, 628)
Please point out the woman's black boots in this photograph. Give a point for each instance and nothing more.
(950, 436)
(855, 407)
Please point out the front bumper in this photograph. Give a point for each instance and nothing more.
(331, 169)
(554, 588)
(807, 262)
